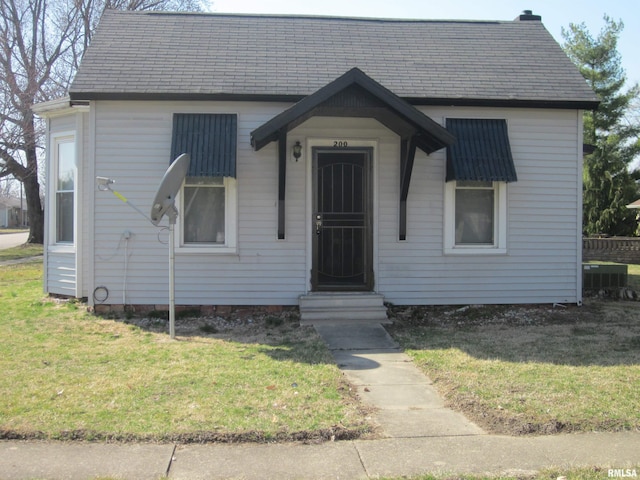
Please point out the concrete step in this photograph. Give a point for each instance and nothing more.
(338, 307)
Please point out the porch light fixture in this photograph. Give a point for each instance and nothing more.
(297, 150)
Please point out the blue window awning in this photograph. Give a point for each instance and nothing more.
(481, 151)
(210, 139)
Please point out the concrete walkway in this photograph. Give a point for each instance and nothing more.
(406, 403)
(421, 437)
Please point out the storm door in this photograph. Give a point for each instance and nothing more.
(342, 225)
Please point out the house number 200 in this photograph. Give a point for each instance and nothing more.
(340, 144)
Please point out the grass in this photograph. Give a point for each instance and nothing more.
(533, 370)
(23, 251)
(633, 276)
(515, 370)
(70, 375)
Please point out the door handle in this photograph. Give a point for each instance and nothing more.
(318, 224)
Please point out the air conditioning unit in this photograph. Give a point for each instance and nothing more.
(596, 276)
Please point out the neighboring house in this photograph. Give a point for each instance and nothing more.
(13, 212)
(415, 162)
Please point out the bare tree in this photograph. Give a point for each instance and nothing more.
(41, 44)
(33, 38)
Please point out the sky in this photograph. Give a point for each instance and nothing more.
(556, 14)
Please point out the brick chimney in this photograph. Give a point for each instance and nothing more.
(528, 16)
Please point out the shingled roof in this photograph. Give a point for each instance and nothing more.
(137, 55)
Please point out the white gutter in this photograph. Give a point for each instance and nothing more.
(58, 107)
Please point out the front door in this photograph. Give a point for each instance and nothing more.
(342, 224)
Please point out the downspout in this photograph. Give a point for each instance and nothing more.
(91, 205)
(580, 156)
(79, 203)
(47, 186)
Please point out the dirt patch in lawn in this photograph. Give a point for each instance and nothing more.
(243, 325)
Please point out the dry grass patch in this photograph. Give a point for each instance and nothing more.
(523, 370)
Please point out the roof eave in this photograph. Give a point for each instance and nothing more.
(585, 104)
(506, 102)
(58, 107)
(182, 96)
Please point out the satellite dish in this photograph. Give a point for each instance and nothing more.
(164, 202)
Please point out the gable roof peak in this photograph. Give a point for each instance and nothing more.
(393, 112)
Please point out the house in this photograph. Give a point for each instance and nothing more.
(13, 212)
(343, 160)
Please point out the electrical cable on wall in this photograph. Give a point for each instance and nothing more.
(104, 185)
(100, 294)
(163, 205)
(114, 254)
(126, 235)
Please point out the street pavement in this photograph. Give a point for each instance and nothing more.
(9, 240)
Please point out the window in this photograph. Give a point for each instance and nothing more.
(475, 217)
(65, 179)
(204, 210)
(474, 213)
(208, 201)
(479, 166)
(208, 213)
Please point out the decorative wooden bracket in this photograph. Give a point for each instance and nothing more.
(407, 156)
(282, 181)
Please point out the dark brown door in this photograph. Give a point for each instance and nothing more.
(342, 233)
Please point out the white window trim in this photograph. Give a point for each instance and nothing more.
(54, 246)
(230, 245)
(500, 224)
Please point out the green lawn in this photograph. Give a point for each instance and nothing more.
(23, 251)
(633, 277)
(520, 370)
(70, 375)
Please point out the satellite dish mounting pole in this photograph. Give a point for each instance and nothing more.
(164, 204)
(172, 213)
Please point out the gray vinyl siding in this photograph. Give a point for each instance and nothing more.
(132, 145)
(61, 273)
(541, 264)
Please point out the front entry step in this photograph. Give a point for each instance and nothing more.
(329, 307)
